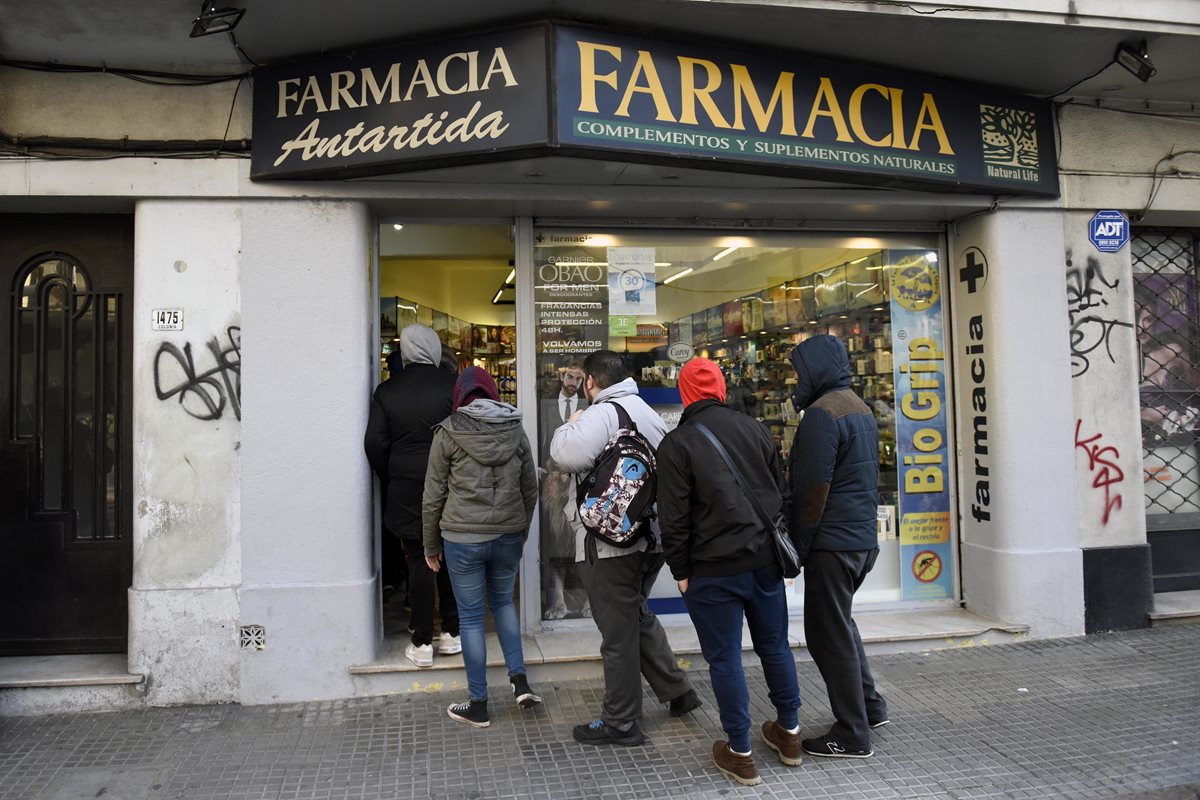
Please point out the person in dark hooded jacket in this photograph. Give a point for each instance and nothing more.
(404, 411)
(480, 492)
(834, 472)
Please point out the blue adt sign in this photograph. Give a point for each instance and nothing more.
(1109, 231)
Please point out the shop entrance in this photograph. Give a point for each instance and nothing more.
(459, 280)
(65, 410)
(658, 298)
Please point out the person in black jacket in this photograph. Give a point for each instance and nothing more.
(404, 411)
(835, 471)
(720, 552)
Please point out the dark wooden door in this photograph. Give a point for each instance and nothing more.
(65, 432)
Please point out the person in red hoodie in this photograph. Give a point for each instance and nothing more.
(720, 552)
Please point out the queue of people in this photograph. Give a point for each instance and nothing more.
(461, 487)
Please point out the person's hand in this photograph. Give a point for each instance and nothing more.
(434, 562)
(683, 584)
(575, 416)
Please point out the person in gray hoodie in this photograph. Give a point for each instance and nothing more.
(404, 411)
(480, 492)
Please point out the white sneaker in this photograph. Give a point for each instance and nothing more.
(421, 655)
(449, 645)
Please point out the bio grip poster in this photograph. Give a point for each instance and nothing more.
(919, 370)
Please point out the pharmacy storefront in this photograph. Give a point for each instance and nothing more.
(659, 292)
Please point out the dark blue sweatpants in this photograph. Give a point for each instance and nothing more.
(717, 606)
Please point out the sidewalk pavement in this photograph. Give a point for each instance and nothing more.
(1113, 715)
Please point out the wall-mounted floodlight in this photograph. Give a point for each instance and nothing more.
(1136, 61)
(215, 20)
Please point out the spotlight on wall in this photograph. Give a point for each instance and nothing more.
(1136, 61)
(215, 20)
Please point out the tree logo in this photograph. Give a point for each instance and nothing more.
(1009, 137)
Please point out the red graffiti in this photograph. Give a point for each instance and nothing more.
(1107, 473)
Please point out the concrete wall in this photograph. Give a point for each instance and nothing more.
(307, 549)
(1108, 158)
(1105, 371)
(1021, 560)
(183, 605)
(110, 107)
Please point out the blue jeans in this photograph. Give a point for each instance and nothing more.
(491, 568)
(717, 606)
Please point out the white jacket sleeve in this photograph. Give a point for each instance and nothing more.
(576, 445)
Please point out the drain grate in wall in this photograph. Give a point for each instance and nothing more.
(254, 637)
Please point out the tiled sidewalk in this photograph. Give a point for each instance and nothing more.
(1102, 716)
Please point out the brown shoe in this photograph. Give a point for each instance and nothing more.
(787, 745)
(740, 768)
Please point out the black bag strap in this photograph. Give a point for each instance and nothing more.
(737, 476)
(623, 418)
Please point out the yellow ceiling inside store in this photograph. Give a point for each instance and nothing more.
(461, 288)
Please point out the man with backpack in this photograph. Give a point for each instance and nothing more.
(618, 578)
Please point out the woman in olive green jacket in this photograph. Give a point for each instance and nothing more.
(480, 492)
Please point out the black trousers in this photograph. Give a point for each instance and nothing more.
(831, 578)
(632, 641)
(394, 571)
(423, 584)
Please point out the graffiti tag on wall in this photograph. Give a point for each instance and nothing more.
(1093, 319)
(207, 392)
(1103, 467)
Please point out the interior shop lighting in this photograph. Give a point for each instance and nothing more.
(859, 260)
(215, 20)
(1136, 61)
(499, 292)
(397, 227)
(679, 274)
(931, 257)
(512, 274)
(723, 253)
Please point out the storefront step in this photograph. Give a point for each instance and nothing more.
(67, 684)
(566, 654)
(1176, 608)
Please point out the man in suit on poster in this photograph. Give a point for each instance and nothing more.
(558, 540)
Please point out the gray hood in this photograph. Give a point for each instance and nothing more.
(490, 431)
(420, 345)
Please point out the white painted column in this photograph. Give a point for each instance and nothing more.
(1021, 560)
(1106, 370)
(307, 545)
(183, 606)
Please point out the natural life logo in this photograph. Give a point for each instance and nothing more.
(1009, 137)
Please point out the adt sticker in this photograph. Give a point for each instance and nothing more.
(1109, 231)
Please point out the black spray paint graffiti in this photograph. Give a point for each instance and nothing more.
(203, 395)
(1092, 318)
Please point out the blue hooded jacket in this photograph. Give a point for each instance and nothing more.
(835, 455)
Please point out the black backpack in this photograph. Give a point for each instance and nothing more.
(616, 499)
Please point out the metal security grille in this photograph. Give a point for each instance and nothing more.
(1165, 292)
(65, 379)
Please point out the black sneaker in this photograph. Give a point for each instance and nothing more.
(686, 703)
(525, 696)
(597, 732)
(473, 712)
(828, 747)
(879, 723)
